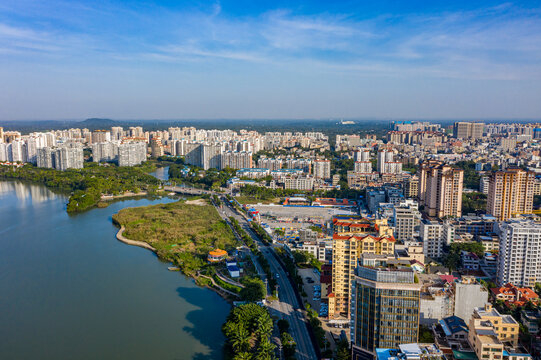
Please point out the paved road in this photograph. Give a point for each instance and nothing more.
(287, 307)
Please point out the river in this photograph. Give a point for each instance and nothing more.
(70, 290)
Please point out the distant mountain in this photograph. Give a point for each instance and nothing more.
(97, 122)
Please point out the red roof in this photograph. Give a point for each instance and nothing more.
(448, 278)
(362, 237)
(521, 295)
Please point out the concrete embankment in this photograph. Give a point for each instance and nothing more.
(121, 237)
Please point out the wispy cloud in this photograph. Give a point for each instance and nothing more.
(499, 42)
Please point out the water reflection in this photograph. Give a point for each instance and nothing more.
(30, 193)
(161, 173)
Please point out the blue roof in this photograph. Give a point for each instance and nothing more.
(384, 354)
(452, 325)
(233, 268)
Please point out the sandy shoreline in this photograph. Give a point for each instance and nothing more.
(120, 237)
(126, 194)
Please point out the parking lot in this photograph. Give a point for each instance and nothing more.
(312, 287)
(288, 214)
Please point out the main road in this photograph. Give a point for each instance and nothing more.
(287, 306)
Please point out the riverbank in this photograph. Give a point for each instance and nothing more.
(226, 294)
(106, 197)
(121, 237)
(87, 185)
(59, 271)
(182, 233)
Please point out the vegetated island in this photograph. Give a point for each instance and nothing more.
(87, 185)
(182, 233)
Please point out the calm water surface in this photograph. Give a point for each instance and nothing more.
(70, 290)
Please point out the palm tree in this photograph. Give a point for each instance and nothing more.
(265, 350)
(243, 356)
(241, 339)
(264, 326)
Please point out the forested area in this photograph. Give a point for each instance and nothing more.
(88, 184)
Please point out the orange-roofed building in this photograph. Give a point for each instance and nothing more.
(354, 236)
(513, 295)
(217, 255)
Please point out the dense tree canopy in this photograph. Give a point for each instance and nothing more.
(89, 183)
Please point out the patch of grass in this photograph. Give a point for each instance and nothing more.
(194, 229)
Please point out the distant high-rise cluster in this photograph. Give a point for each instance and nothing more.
(68, 156)
(468, 130)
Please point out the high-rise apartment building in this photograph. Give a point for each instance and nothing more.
(322, 169)
(156, 148)
(99, 136)
(17, 151)
(136, 132)
(362, 155)
(304, 164)
(69, 156)
(519, 258)
(45, 158)
(468, 130)
(211, 156)
(387, 164)
(104, 151)
(271, 164)
(411, 187)
(406, 217)
(384, 308)
(510, 193)
(364, 167)
(132, 153)
(354, 236)
(236, 160)
(440, 189)
(117, 133)
(431, 233)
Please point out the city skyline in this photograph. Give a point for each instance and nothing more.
(210, 60)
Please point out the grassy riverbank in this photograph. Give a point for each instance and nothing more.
(88, 184)
(181, 232)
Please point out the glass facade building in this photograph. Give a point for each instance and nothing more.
(384, 308)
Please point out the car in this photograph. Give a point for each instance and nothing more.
(277, 275)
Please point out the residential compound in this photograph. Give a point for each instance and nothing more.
(411, 226)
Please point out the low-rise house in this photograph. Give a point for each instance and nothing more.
(233, 269)
(470, 261)
(514, 295)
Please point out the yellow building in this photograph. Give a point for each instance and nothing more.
(354, 236)
(489, 330)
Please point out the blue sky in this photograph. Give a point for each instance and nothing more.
(269, 59)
